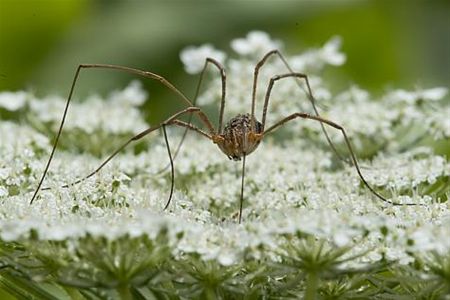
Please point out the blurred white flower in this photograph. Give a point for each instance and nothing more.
(13, 101)
(194, 58)
(439, 123)
(132, 94)
(330, 52)
(315, 59)
(256, 43)
(117, 114)
(410, 97)
(5, 172)
(354, 94)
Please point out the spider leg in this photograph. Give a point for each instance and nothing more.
(170, 121)
(188, 126)
(242, 188)
(308, 92)
(347, 141)
(224, 87)
(172, 171)
(153, 76)
(138, 72)
(194, 102)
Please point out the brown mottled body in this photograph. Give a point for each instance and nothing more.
(238, 139)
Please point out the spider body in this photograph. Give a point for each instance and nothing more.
(238, 139)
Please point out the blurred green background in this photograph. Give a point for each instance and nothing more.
(389, 43)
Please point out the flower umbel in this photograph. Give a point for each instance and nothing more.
(310, 228)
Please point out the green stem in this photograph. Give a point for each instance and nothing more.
(73, 293)
(124, 292)
(311, 285)
(210, 293)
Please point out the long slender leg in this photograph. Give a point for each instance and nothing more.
(142, 73)
(170, 121)
(269, 90)
(242, 188)
(134, 138)
(194, 101)
(224, 88)
(149, 75)
(255, 83)
(352, 155)
(309, 94)
(221, 69)
(172, 171)
(191, 127)
(171, 159)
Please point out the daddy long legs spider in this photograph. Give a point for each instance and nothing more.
(237, 139)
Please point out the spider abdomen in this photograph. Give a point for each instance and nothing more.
(237, 140)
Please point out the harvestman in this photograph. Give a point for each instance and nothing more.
(240, 136)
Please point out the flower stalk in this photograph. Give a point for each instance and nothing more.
(312, 283)
(124, 291)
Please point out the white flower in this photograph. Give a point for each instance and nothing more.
(132, 94)
(3, 191)
(341, 239)
(13, 101)
(255, 43)
(355, 94)
(330, 52)
(439, 123)
(194, 58)
(117, 114)
(4, 172)
(314, 60)
(434, 94)
(410, 97)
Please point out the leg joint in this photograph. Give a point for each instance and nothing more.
(302, 115)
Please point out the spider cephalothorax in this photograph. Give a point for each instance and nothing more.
(238, 139)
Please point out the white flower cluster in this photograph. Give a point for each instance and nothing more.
(93, 114)
(291, 187)
(256, 43)
(95, 125)
(13, 101)
(118, 114)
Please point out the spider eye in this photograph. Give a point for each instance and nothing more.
(258, 126)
